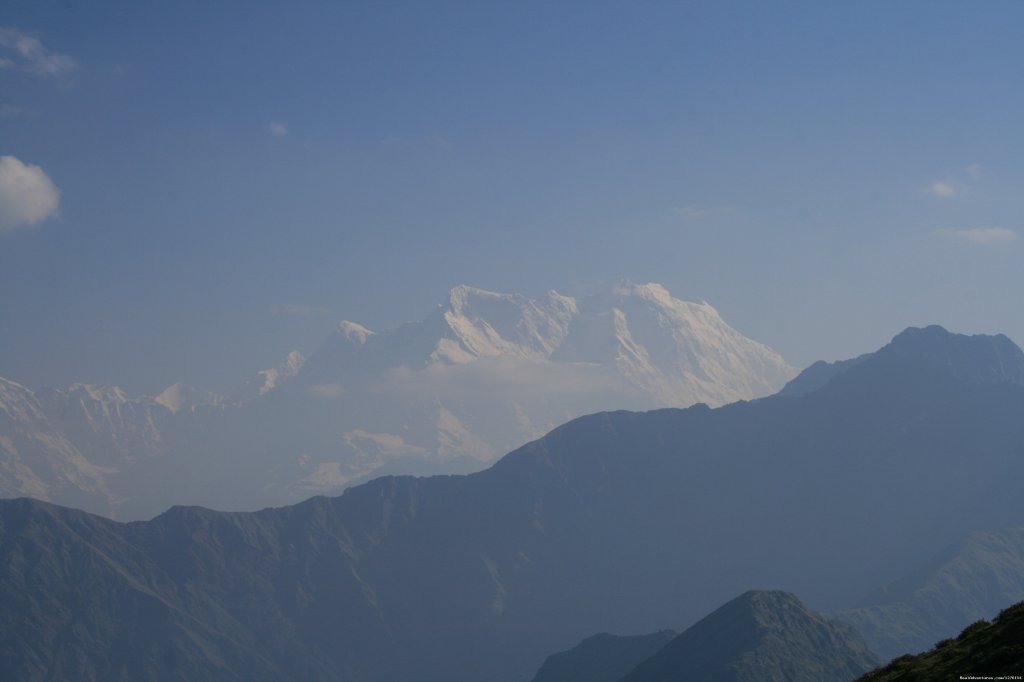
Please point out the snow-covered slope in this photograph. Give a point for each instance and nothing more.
(672, 351)
(37, 460)
(480, 375)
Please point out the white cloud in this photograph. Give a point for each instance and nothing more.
(974, 170)
(32, 56)
(942, 188)
(278, 129)
(983, 236)
(27, 194)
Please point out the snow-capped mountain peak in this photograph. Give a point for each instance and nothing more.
(481, 374)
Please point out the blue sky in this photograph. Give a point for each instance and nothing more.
(190, 190)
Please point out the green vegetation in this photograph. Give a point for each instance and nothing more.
(982, 651)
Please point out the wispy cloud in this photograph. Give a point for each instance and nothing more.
(959, 183)
(299, 310)
(27, 53)
(27, 194)
(982, 236)
(278, 129)
(942, 188)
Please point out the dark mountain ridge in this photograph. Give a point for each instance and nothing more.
(760, 636)
(602, 658)
(613, 522)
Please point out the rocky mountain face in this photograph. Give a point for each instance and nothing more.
(479, 376)
(627, 522)
(761, 636)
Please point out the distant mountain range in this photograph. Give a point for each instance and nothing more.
(614, 522)
(479, 376)
(761, 636)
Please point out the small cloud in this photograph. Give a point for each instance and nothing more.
(278, 129)
(973, 170)
(942, 188)
(30, 55)
(325, 391)
(299, 310)
(983, 236)
(27, 194)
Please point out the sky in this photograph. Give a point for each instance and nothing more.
(190, 190)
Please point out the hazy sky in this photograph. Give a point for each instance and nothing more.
(188, 190)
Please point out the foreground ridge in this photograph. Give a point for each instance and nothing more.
(982, 651)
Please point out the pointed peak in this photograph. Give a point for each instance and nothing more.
(762, 599)
(981, 357)
(651, 290)
(751, 636)
(462, 294)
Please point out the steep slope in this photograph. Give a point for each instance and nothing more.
(760, 637)
(36, 458)
(969, 582)
(613, 522)
(602, 658)
(88, 599)
(94, 447)
(110, 428)
(983, 651)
